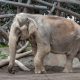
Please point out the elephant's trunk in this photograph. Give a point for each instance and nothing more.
(12, 49)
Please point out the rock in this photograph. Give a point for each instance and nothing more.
(55, 60)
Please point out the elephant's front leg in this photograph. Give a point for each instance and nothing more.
(12, 54)
(38, 63)
(38, 60)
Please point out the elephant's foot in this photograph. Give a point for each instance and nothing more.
(40, 71)
(11, 70)
(67, 70)
(43, 70)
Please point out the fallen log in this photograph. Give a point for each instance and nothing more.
(21, 66)
(5, 62)
(23, 47)
(24, 5)
(44, 3)
(7, 15)
(66, 1)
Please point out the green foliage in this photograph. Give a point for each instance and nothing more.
(3, 45)
(3, 55)
(28, 47)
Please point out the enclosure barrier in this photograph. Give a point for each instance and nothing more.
(42, 7)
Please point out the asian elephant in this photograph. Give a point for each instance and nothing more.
(46, 34)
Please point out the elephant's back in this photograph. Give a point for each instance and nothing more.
(63, 33)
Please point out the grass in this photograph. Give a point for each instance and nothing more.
(3, 54)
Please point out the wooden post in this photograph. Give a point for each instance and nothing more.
(58, 12)
(18, 8)
(53, 8)
(26, 10)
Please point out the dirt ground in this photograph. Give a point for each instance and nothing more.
(53, 73)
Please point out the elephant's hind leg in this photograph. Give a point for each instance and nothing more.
(71, 54)
(68, 66)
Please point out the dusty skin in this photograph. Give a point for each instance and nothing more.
(46, 34)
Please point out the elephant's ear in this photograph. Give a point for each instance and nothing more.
(32, 28)
(17, 31)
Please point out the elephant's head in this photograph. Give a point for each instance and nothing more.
(21, 29)
(27, 31)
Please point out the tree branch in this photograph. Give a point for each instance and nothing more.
(24, 5)
(53, 8)
(60, 8)
(7, 15)
(66, 1)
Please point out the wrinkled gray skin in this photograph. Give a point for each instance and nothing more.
(46, 34)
